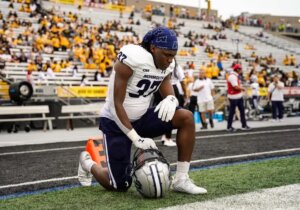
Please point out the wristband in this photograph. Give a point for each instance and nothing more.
(133, 136)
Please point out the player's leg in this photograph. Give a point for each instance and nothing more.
(183, 120)
(109, 160)
(151, 126)
(92, 162)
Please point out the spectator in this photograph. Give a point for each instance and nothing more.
(75, 71)
(97, 76)
(235, 97)
(22, 57)
(204, 87)
(83, 81)
(275, 96)
(50, 73)
(255, 92)
(180, 93)
(294, 82)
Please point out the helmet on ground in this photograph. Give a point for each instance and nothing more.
(151, 173)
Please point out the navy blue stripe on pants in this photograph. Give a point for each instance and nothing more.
(233, 104)
(277, 109)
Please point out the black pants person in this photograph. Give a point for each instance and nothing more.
(277, 107)
(232, 107)
(193, 106)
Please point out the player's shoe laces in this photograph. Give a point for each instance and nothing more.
(84, 177)
(186, 185)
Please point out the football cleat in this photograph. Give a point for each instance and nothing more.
(186, 185)
(84, 176)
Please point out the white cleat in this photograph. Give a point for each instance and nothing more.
(186, 185)
(84, 177)
(169, 143)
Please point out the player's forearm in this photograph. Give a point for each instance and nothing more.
(122, 116)
(166, 88)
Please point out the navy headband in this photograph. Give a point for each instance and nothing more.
(162, 37)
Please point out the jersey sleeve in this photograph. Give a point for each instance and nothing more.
(129, 56)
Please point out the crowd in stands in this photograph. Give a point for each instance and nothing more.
(96, 46)
(93, 46)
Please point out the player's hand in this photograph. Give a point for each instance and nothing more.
(140, 142)
(145, 143)
(167, 108)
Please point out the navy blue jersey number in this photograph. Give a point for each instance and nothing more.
(144, 86)
(121, 56)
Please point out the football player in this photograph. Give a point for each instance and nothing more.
(127, 117)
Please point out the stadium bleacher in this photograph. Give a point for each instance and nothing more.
(16, 72)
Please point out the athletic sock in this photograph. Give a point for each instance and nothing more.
(182, 170)
(87, 164)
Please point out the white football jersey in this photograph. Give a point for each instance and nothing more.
(145, 80)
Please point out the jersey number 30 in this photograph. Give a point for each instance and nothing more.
(144, 86)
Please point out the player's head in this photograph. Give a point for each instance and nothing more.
(162, 43)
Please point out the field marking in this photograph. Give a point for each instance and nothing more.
(197, 137)
(246, 133)
(243, 155)
(40, 150)
(38, 182)
(172, 164)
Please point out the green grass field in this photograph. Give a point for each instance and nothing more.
(219, 182)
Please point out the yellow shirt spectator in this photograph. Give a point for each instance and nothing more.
(208, 72)
(56, 67)
(215, 71)
(78, 40)
(64, 42)
(292, 60)
(286, 61)
(55, 42)
(31, 67)
(183, 52)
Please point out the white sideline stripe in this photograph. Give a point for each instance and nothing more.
(38, 182)
(199, 137)
(41, 150)
(243, 155)
(172, 164)
(247, 133)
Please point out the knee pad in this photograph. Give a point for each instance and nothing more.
(95, 146)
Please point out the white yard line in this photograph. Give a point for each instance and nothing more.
(274, 152)
(38, 182)
(246, 133)
(197, 137)
(172, 164)
(284, 197)
(40, 150)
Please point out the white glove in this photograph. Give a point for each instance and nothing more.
(140, 142)
(167, 108)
